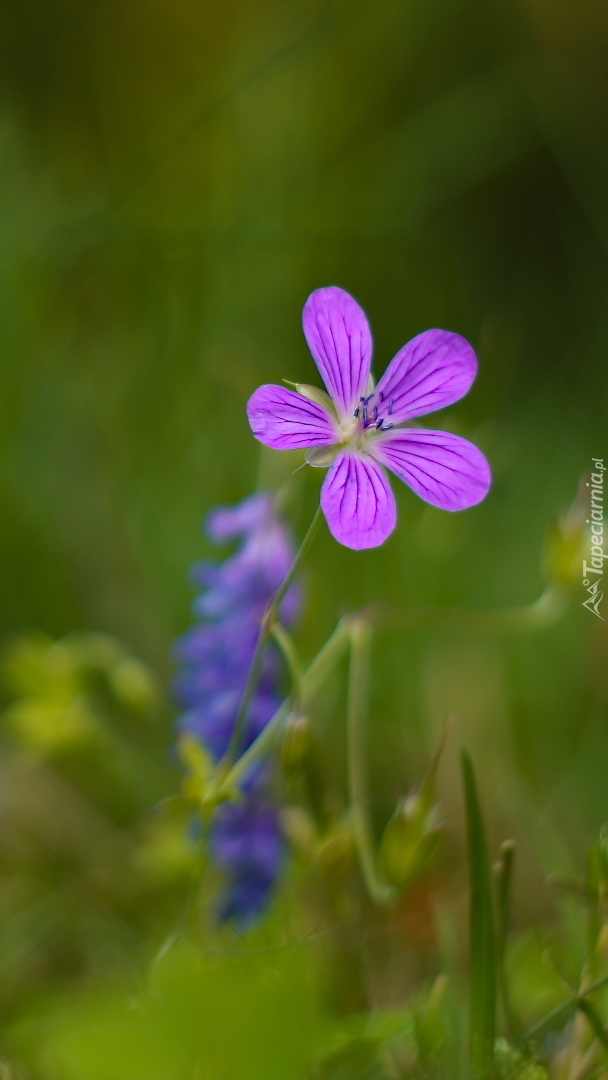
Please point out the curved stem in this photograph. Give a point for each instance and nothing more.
(542, 613)
(317, 671)
(288, 649)
(560, 1014)
(266, 625)
(358, 685)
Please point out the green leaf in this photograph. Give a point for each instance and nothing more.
(358, 1058)
(482, 942)
(512, 1065)
(227, 1015)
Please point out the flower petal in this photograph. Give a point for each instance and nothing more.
(358, 502)
(431, 372)
(340, 340)
(288, 421)
(441, 468)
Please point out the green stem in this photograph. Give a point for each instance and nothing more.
(288, 649)
(326, 659)
(318, 670)
(261, 748)
(358, 684)
(266, 625)
(482, 942)
(558, 1016)
(543, 612)
(504, 881)
(595, 1021)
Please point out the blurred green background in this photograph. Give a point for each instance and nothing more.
(175, 179)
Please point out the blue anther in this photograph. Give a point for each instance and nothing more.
(381, 395)
(380, 423)
(390, 407)
(375, 411)
(364, 418)
(357, 410)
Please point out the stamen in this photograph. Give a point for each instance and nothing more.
(390, 406)
(364, 418)
(357, 411)
(375, 411)
(381, 396)
(380, 423)
(388, 427)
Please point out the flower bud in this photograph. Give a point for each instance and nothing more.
(566, 542)
(602, 943)
(299, 828)
(410, 840)
(336, 851)
(296, 745)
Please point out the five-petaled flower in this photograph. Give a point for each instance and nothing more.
(356, 429)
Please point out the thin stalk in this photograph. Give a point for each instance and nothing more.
(326, 659)
(538, 615)
(261, 748)
(595, 1021)
(288, 649)
(504, 875)
(427, 788)
(266, 625)
(358, 686)
(482, 1024)
(558, 1016)
(317, 671)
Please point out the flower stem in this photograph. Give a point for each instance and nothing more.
(266, 625)
(317, 671)
(504, 876)
(288, 649)
(560, 1014)
(542, 613)
(358, 686)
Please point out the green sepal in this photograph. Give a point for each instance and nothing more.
(314, 393)
(410, 840)
(296, 745)
(567, 542)
(321, 457)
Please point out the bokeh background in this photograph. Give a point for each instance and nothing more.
(176, 178)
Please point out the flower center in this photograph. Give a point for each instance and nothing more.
(372, 414)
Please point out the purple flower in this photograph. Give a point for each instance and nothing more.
(248, 845)
(216, 654)
(364, 426)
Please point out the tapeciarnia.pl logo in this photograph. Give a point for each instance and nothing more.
(593, 571)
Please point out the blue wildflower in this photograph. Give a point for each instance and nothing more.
(216, 654)
(247, 844)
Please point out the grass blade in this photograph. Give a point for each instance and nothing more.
(482, 943)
